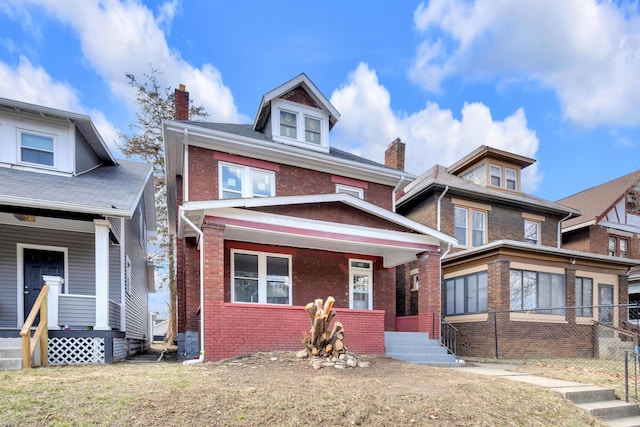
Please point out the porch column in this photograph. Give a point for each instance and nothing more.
(429, 294)
(54, 282)
(102, 274)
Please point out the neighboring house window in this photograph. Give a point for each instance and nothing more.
(466, 294)
(584, 297)
(243, 181)
(463, 217)
(360, 284)
(531, 231)
(531, 290)
(624, 248)
(496, 175)
(142, 229)
(288, 124)
(262, 278)
(127, 275)
(312, 130)
(36, 148)
(354, 191)
(511, 179)
(618, 247)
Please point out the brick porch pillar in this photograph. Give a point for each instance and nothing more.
(429, 294)
(213, 304)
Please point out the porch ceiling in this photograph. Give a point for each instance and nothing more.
(394, 247)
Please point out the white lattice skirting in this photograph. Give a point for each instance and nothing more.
(75, 350)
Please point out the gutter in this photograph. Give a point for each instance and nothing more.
(439, 200)
(559, 244)
(393, 194)
(200, 358)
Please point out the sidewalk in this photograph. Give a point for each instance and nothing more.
(598, 401)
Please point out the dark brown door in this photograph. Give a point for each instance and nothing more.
(38, 263)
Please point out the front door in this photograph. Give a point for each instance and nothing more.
(38, 263)
(605, 298)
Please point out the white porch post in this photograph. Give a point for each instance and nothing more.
(102, 274)
(54, 282)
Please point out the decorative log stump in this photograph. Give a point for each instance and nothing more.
(322, 341)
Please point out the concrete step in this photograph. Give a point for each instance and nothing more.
(586, 393)
(624, 422)
(416, 347)
(11, 364)
(610, 409)
(425, 358)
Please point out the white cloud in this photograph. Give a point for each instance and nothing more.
(125, 37)
(587, 51)
(433, 135)
(32, 84)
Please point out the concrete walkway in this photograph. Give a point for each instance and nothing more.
(598, 401)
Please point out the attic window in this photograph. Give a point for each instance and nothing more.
(496, 175)
(288, 124)
(300, 125)
(36, 148)
(312, 130)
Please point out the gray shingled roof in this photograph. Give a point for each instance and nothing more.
(247, 131)
(437, 176)
(107, 190)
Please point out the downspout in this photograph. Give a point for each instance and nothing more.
(393, 194)
(185, 173)
(560, 229)
(200, 359)
(439, 200)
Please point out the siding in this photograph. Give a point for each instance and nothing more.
(136, 300)
(86, 158)
(77, 310)
(81, 261)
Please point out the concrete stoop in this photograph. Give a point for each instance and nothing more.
(416, 347)
(10, 354)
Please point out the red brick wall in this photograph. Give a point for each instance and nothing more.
(300, 96)
(290, 180)
(248, 328)
(407, 324)
(319, 274)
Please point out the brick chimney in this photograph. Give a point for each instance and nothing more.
(181, 102)
(394, 155)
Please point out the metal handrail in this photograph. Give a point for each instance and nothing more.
(41, 333)
(449, 336)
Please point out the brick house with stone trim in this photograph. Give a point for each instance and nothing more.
(268, 217)
(507, 258)
(609, 224)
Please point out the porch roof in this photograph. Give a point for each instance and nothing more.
(395, 247)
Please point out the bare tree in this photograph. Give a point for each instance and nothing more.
(145, 142)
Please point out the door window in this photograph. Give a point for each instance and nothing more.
(360, 284)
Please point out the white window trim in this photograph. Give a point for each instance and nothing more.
(37, 133)
(301, 112)
(491, 166)
(538, 225)
(247, 186)
(361, 270)
(262, 276)
(469, 234)
(347, 189)
(516, 180)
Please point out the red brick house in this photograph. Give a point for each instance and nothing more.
(268, 217)
(609, 224)
(508, 258)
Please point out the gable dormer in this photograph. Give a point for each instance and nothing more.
(492, 168)
(297, 113)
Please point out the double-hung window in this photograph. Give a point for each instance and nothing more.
(584, 297)
(476, 233)
(531, 290)
(618, 247)
(242, 181)
(531, 231)
(36, 148)
(511, 179)
(312, 130)
(495, 173)
(466, 294)
(288, 124)
(262, 278)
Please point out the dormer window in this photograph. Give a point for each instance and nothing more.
(511, 179)
(36, 148)
(300, 125)
(288, 124)
(496, 175)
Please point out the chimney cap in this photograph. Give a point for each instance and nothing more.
(182, 87)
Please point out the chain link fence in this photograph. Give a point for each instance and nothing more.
(585, 344)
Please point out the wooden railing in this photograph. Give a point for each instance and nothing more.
(41, 333)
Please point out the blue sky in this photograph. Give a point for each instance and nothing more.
(555, 81)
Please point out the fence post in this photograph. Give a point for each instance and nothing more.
(495, 331)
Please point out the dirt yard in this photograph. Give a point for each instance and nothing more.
(275, 389)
